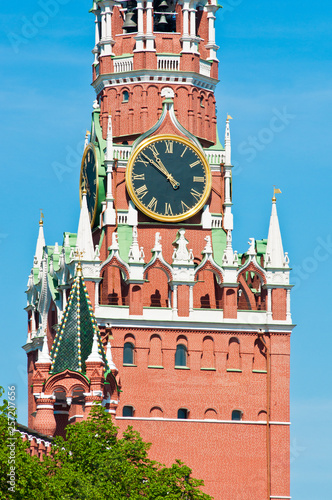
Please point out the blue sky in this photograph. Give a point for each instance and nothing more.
(275, 72)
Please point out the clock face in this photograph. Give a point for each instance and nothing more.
(89, 180)
(168, 178)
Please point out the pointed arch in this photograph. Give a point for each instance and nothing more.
(259, 359)
(234, 355)
(155, 352)
(208, 356)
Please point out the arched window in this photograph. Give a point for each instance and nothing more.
(183, 413)
(125, 96)
(128, 353)
(237, 415)
(128, 411)
(181, 355)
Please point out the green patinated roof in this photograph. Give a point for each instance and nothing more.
(219, 241)
(125, 236)
(73, 342)
(218, 146)
(261, 247)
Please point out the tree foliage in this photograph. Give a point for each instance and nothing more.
(93, 463)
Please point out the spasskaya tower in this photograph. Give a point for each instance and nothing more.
(148, 308)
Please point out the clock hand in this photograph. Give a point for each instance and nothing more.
(161, 167)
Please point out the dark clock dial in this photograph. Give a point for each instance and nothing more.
(168, 178)
(89, 179)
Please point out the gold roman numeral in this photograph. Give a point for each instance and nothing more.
(198, 179)
(185, 149)
(169, 147)
(146, 163)
(195, 163)
(168, 209)
(154, 150)
(196, 194)
(153, 204)
(139, 177)
(185, 207)
(142, 191)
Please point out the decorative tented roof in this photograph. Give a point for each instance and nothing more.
(73, 342)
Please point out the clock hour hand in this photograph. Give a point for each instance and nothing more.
(161, 167)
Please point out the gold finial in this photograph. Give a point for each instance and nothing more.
(229, 117)
(275, 191)
(87, 133)
(79, 255)
(41, 221)
(84, 186)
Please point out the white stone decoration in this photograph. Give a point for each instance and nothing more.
(167, 92)
(95, 356)
(109, 358)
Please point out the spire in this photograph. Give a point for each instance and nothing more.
(228, 149)
(84, 241)
(109, 358)
(95, 355)
(40, 242)
(74, 341)
(43, 355)
(274, 250)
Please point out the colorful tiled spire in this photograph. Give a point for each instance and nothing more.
(73, 342)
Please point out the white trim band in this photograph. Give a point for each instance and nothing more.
(206, 420)
(279, 497)
(49, 407)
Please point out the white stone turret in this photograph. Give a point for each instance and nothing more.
(84, 235)
(228, 149)
(40, 243)
(95, 356)
(275, 257)
(228, 216)
(44, 355)
(109, 358)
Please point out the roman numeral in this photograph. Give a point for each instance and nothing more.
(153, 149)
(153, 204)
(195, 163)
(142, 191)
(169, 147)
(146, 163)
(196, 194)
(168, 209)
(185, 149)
(139, 177)
(185, 207)
(198, 179)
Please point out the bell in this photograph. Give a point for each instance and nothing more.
(162, 19)
(129, 23)
(163, 4)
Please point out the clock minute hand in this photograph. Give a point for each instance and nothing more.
(161, 167)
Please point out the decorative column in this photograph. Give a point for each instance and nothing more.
(140, 28)
(106, 42)
(45, 421)
(95, 50)
(149, 27)
(185, 39)
(269, 304)
(175, 299)
(191, 298)
(194, 43)
(211, 45)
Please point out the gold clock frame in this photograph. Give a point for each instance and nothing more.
(91, 147)
(146, 211)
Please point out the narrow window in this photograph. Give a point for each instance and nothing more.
(237, 415)
(183, 413)
(127, 411)
(128, 353)
(125, 96)
(181, 355)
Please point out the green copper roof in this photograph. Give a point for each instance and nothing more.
(218, 146)
(73, 342)
(219, 241)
